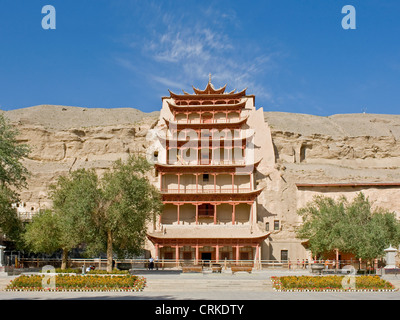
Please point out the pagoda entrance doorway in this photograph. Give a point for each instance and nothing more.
(206, 256)
(206, 259)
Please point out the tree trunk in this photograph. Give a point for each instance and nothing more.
(109, 252)
(64, 261)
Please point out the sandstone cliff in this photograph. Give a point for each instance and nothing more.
(346, 147)
(67, 138)
(339, 148)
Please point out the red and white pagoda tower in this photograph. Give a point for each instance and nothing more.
(206, 176)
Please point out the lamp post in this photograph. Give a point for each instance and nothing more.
(390, 257)
(2, 255)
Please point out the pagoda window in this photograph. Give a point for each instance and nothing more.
(206, 118)
(167, 255)
(276, 225)
(205, 133)
(187, 255)
(224, 255)
(206, 210)
(244, 256)
(267, 226)
(205, 156)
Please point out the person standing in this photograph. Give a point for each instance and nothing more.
(151, 263)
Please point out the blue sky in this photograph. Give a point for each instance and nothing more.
(294, 56)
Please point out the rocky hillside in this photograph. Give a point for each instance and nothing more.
(343, 147)
(361, 147)
(67, 138)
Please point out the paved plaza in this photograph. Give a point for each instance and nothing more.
(206, 286)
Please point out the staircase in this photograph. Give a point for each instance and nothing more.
(199, 283)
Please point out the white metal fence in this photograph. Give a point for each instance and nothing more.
(127, 264)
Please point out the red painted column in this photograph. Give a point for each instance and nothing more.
(179, 182)
(215, 213)
(197, 182)
(177, 255)
(251, 212)
(217, 253)
(233, 213)
(257, 258)
(178, 212)
(233, 182)
(237, 254)
(197, 254)
(215, 182)
(197, 213)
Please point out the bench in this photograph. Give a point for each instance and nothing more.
(241, 269)
(123, 266)
(317, 268)
(216, 267)
(192, 268)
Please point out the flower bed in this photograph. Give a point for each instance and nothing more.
(329, 283)
(79, 283)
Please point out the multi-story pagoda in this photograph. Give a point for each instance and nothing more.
(206, 177)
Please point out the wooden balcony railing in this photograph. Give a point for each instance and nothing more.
(212, 121)
(208, 162)
(207, 190)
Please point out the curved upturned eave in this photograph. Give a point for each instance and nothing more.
(207, 96)
(173, 107)
(171, 168)
(154, 237)
(211, 196)
(209, 89)
(209, 124)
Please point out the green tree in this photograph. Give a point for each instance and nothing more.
(129, 202)
(352, 227)
(43, 234)
(76, 198)
(109, 215)
(10, 224)
(13, 174)
(372, 230)
(13, 177)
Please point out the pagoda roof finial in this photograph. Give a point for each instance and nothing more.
(209, 88)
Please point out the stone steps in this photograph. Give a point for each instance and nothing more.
(206, 284)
